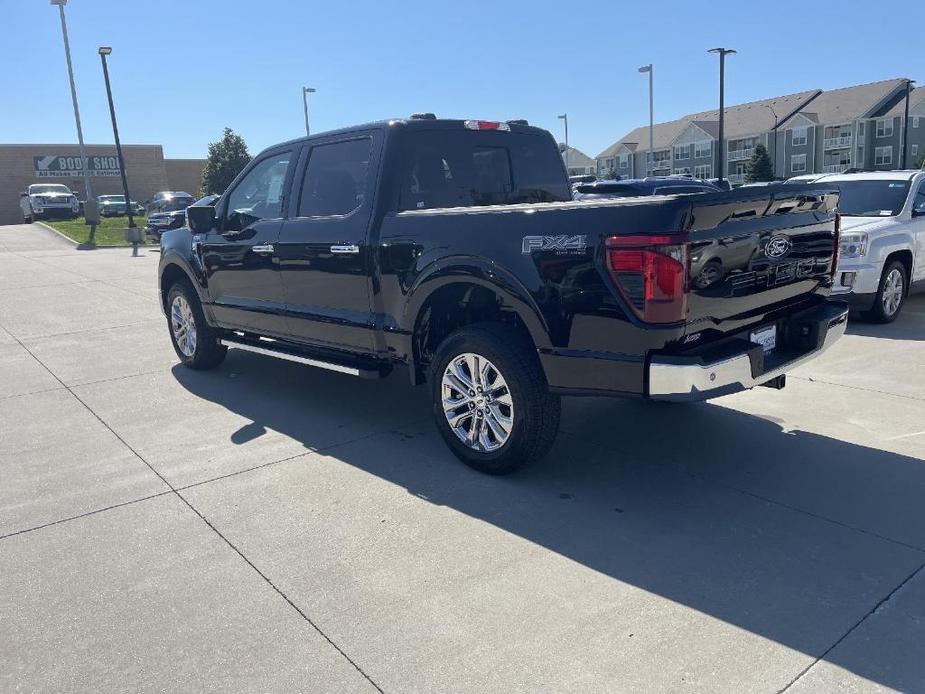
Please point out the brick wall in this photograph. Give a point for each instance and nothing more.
(185, 175)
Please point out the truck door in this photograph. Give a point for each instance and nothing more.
(323, 251)
(238, 255)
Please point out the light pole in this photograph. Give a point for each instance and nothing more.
(90, 215)
(651, 70)
(564, 117)
(723, 52)
(906, 121)
(774, 130)
(305, 92)
(133, 236)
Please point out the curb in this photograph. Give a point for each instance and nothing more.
(75, 243)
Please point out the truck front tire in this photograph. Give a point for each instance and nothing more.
(194, 341)
(490, 398)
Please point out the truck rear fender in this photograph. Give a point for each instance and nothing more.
(454, 292)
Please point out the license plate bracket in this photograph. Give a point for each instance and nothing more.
(766, 337)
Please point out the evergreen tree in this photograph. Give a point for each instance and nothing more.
(759, 167)
(227, 157)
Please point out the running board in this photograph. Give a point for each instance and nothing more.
(272, 348)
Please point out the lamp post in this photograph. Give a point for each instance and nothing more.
(564, 117)
(723, 52)
(132, 235)
(774, 130)
(90, 215)
(305, 92)
(906, 122)
(651, 70)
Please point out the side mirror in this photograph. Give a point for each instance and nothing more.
(201, 220)
(24, 194)
(918, 211)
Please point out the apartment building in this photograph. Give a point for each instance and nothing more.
(577, 162)
(811, 131)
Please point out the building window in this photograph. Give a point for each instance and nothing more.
(883, 156)
(703, 149)
(915, 150)
(682, 170)
(798, 136)
(623, 161)
(915, 121)
(682, 152)
(703, 171)
(859, 162)
(885, 127)
(798, 163)
(861, 128)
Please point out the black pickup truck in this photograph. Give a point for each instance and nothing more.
(453, 248)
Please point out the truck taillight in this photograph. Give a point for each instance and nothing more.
(652, 273)
(837, 252)
(486, 125)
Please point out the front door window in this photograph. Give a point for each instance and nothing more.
(259, 194)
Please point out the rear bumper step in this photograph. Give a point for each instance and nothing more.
(282, 350)
(691, 379)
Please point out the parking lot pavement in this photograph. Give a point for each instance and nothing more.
(266, 527)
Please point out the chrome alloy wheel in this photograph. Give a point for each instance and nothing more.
(477, 402)
(183, 325)
(892, 292)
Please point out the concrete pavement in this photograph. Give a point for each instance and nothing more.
(269, 527)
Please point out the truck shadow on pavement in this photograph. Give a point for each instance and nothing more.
(790, 535)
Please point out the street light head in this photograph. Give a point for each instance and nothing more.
(722, 51)
(105, 50)
(309, 90)
(563, 116)
(646, 68)
(60, 3)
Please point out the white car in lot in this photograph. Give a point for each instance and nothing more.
(882, 240)
(47, 200)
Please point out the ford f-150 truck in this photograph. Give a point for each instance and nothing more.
(453, 248)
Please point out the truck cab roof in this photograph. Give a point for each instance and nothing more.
(419, 122)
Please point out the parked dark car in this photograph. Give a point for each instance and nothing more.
(453, 249)
(637, 187)
(166, 211)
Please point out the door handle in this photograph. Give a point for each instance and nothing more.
(345, 250)
(263, 249)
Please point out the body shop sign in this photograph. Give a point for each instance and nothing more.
(54, 166)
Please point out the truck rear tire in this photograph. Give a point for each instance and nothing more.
(891, 294)
(490, 398)
(194, 341)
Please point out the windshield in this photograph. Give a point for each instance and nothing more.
(112, 198)
(49, 188)
(872, 198)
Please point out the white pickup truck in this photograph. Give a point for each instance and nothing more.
(882, 240)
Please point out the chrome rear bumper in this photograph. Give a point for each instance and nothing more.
(671, 379)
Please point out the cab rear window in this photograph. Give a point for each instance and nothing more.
(443, 168)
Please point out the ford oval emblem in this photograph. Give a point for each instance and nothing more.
(778, 247)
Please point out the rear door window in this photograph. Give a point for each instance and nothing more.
(443, 168)
(335, 178)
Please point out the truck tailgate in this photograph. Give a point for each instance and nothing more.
(754, 252)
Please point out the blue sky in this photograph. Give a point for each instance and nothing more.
(182, 71)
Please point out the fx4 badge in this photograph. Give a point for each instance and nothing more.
(559, 244)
